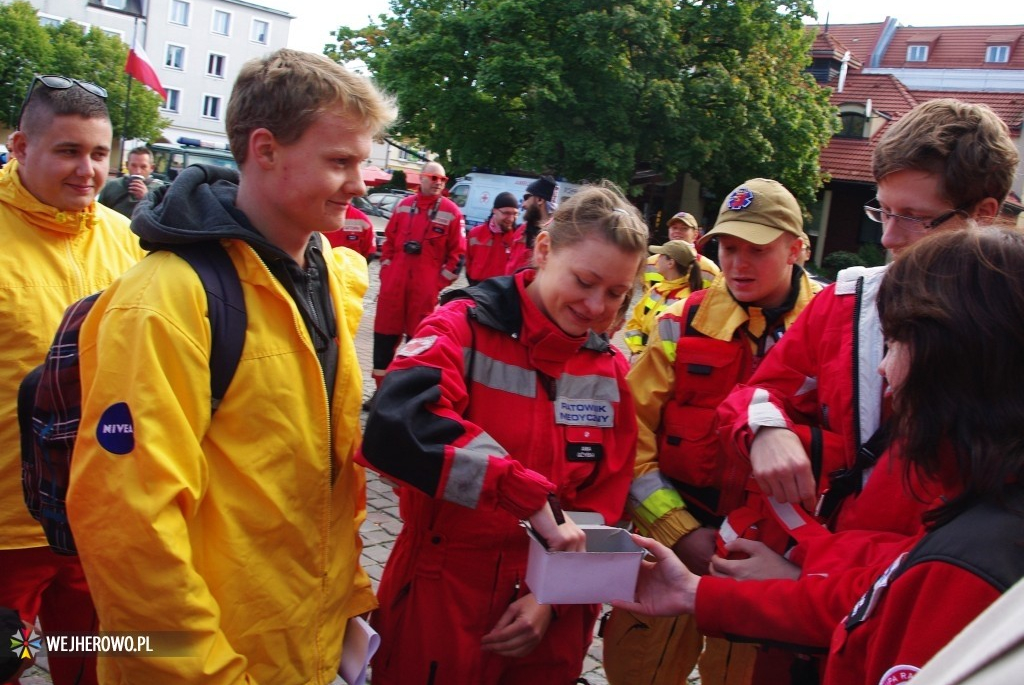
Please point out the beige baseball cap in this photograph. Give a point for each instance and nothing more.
(758, 211)
(679, 250)
(685, 217)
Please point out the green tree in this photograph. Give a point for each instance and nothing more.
(100, 58)
(597, 88)
(24, 47)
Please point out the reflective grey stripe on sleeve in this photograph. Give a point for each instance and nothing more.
(404, 209)
(469, 469)
(646, 485)
(499, 375)
(669, 329)
(476, 241)
(761, 413)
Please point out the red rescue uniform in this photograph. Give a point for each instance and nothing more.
(487, 251)
(355, 234)
(423, 252)
(487, 410)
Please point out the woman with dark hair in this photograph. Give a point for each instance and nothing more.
(952, 310)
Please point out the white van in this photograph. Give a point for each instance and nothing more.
(474, 193)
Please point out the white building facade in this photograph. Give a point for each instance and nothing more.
(196, 46)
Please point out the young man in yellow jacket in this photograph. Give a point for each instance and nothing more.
(59, 246)
(237, 532)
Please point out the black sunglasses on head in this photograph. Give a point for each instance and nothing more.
(54, 82)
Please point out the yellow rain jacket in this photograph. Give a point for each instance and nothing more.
(49, 259)
(240, 533)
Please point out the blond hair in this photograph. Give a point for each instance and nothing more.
(600, 211)
(285, 91)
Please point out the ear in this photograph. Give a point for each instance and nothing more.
(18, 145)
(795, 248)
(986, 209)
(263, 148)
(541, 249)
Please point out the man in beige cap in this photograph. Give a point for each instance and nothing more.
(682, 226)
(699, 350)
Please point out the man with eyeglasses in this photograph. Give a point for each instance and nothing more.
(488, 245)
(423, 252)
(817, 404)
(59, 245)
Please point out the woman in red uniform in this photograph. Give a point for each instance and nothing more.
(508, 397)
(951, 308)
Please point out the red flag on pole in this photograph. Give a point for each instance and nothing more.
(141, 69)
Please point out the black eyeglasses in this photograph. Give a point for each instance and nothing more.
(54, 82)
(912, 222)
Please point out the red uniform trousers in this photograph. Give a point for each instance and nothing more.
(36, 582)
(463, 571)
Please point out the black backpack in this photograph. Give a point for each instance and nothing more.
(50, 396)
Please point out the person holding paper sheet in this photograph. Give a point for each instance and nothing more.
(508, 396)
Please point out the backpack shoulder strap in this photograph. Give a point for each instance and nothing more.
(226, 305)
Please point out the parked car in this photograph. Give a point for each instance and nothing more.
(387, 200)
(377, 217)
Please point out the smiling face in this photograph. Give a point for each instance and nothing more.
(314, 179)
(581, 286)
(64, 164)
(758, 275)
(678, 230)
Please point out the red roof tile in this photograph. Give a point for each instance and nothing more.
(955, 47)
(859, 39)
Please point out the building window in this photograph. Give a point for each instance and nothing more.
(180, 12)
(173, 101)
(211, 107)
(175, 58)
(917, 53)
(997, 53)
(215, 65)
(852, 125)
(221, 22)
(116, 4)
(113, 33)
(260, 31)
(47, 20)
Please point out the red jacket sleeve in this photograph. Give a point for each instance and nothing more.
(800, 613)
(418, 435)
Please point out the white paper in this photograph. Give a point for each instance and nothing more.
(361, 642)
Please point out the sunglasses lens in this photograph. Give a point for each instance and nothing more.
(94, 89)
(56, 82)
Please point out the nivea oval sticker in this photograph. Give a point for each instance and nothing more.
(116, 431)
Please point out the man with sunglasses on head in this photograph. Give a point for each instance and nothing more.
(59, 245)
(423, 252)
